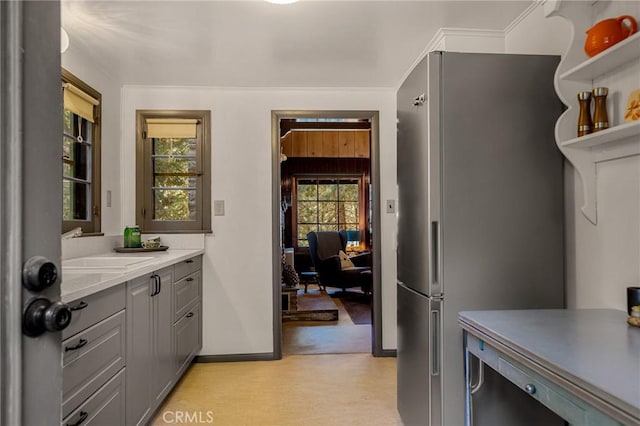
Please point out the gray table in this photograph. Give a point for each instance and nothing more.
(582, 364)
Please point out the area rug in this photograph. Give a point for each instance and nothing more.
(357, 305)
(313, 306)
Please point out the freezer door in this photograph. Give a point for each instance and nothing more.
(419, 359)
(412, 166)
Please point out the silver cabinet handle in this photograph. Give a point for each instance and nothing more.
(435, 343)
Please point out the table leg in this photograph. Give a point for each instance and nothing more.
(467, 381)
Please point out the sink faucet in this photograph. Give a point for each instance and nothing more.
(75, 232)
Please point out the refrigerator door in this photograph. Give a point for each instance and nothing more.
(502, 201)
(413, 196)
(415, 399)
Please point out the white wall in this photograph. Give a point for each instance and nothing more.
(237, 311)
(75, 61)
(601, 260)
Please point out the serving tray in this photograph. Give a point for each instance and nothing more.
(139, 249)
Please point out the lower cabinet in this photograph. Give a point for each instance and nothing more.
(127, 346)
(188, 335)
(149, 344)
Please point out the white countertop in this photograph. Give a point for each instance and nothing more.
(78, 283)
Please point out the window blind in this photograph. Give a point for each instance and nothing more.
(171, 127)
(79, 102)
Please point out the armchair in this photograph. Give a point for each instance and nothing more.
(324, 247)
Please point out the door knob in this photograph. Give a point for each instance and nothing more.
(42, 315)
(39, 273)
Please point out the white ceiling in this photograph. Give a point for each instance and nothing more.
(244, 43)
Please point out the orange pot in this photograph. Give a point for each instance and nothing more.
(608, 32)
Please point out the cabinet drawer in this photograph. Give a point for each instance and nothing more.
(98, 307)
(188, 337)
(90, 359)
(105, 407)
(185, 293)
(544, 394)
(186, 267)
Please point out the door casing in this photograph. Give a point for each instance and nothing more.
(276, 116)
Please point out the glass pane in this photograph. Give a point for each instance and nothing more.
(77, 159)
(327, 212)
(349, 192)
(328, 227)
(303, 230)
(307, 212)
(67, 122)
(328, 192)
(175, 181)
(75, 199)
(174, 146)
(174, 165)
(307, 192)
(348, 212)
(170, 204)
(303, 243)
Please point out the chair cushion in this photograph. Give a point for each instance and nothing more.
(345, 262)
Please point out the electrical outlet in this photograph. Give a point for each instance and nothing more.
(391, 206)
(218, 207)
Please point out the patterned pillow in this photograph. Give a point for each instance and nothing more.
(345, 262)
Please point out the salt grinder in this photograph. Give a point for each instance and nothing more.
(600, 118)
(584, 118)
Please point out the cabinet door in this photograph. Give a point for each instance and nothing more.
(138, 388)
(286, 143)
(188, 332)
(162, 325)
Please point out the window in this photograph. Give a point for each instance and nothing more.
(173, 171)
(80, 156)
(327, 204)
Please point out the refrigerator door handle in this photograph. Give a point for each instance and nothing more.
(435, 342)
(435, 251)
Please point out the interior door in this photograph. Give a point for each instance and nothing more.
(31, 204)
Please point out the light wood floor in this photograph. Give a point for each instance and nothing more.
(327, 377)
(324, 337)
(310, 390)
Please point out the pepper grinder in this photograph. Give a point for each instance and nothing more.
(600, 118)
(584, 118)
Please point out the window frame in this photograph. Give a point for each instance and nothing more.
(144, 174)
(337, 177)
(92, 226)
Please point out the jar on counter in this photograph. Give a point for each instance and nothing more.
(132, 237)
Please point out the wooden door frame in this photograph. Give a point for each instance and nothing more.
(374, 116)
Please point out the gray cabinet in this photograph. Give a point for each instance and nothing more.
(93, 360)
(149, 344)
(187, 329)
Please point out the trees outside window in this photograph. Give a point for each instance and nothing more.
(80, 156)
(327, 204)
(173, 182)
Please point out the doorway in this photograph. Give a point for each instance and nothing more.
(326, 171)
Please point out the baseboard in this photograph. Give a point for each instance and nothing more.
(266, 356)
(387, 353)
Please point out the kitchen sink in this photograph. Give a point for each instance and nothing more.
(104, 262)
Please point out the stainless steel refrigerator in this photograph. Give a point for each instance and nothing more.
(480, 223)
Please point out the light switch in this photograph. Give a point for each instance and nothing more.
(108, 198)
(391, 206)
(218, 207)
